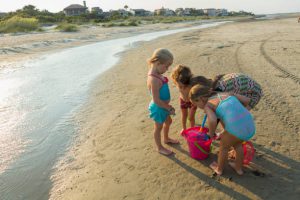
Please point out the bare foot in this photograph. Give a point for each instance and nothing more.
(231, 154)
(238, 171)
(214, 166)
(219, 135)
(165, 151)
(171, 141)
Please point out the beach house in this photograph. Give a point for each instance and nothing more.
(76, 9)
(164, 12)
(140, 12)
(210, 11)
(221, 12)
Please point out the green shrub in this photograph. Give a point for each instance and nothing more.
(106, 25)
(18, 24)
(67, 27)
(132, 23)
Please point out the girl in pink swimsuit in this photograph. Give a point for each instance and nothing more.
(181, 76)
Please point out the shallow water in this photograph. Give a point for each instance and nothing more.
(38, 102)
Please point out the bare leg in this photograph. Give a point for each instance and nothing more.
(157, 138)
(227, 140)
(192, 116)
(166, 128)
(237, 166)
(184, 114)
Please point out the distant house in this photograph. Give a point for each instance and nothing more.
(123, 13)
(187, 11)
(160, 12)
(179, 11)
(76, 9)
(170, 12)
(140, 12)
(199, 12)
(210, 11)
(164, 12)
(221, 12)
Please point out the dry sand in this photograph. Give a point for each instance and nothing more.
(114, 157)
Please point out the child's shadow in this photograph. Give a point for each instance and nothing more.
(282, 172)
(211, 182)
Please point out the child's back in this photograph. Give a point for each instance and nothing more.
(236, 118)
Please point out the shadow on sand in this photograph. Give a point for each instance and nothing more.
(270, 176)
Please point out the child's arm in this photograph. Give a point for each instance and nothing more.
(212, 120)
(155, 86)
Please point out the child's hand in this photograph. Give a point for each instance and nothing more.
(172, 110)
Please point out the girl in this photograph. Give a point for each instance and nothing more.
(236, 119)
(159, 107)
(181, 76)
(235, 82)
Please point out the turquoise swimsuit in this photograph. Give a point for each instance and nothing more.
(237, 119)
(159, 114)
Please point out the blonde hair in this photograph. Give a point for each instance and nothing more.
(200, 91)
(161, 55)
(182, 74)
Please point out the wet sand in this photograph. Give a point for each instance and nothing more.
(114, 155)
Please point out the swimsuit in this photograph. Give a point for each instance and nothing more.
(186, 104)
(237, 119)
(159, 114)
(241, 84)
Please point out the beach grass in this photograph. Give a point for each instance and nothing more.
(19, 24)
(122, 23)
(64, 27)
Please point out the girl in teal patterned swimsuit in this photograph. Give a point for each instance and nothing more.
(231, 110)
(159, 108)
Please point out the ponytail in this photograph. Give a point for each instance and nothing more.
(216, 80)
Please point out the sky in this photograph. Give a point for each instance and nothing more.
(255, 6)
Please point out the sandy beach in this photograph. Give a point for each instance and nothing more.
(114, 157)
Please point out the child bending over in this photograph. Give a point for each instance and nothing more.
(238, 122)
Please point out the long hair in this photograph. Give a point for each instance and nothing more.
(202, 80)
(200, 91)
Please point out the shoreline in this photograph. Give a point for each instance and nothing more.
(113, 156)
(22, 47)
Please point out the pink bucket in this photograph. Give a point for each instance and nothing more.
(249, 152)
(199, 146)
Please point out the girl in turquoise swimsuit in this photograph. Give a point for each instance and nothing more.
(159, 108)
(231, 110)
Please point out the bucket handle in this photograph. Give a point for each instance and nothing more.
(201, 149)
